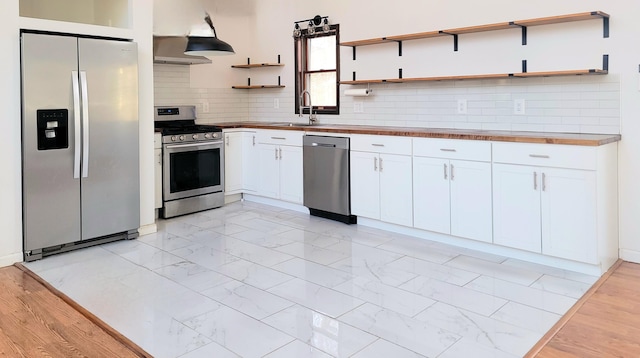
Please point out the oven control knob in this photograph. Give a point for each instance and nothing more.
(181, 137)
(207, 135)
(173, 138)
(215, 135)
(195, 136)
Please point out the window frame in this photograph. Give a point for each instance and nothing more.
(301, 73)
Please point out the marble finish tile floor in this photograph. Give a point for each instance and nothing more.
(251, 280)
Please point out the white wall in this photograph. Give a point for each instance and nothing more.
(10, 155)
(10, 181)
(594, 104)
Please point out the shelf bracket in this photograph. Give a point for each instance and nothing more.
(278, 58)
(605, 27)
(279, 76)
(455, 39)
(400, 73)
(354, 75)
(524, 32)
(248, 60)
(354, 52)
(605, 62)
(399, 47)
(524, 66)
(248, 81)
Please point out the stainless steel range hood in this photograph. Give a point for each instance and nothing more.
(170, 49)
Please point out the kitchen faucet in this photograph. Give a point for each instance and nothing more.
(312, 117)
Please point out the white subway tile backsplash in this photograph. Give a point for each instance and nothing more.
(581, 104)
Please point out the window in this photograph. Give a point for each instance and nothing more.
(318, 71)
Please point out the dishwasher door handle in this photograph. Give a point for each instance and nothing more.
(323, 145)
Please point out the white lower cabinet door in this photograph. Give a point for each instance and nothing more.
(516, 207)
(268, 170)
(365, 184)
(250, 160)
(431, 204)
(396, 189)
(291, 182)
(232, 162)
(471, 209)
(569, 215)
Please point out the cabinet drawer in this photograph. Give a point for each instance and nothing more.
(548, 155)
(381, 144)
(280, 137)
(452, 149)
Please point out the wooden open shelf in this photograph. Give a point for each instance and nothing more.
(250, 65)
(488, 27)
(480, 77)
(563, 18)
(256, 65)
(257, 86)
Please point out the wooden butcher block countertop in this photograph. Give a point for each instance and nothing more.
(500, 136)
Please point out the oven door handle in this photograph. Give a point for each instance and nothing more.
(177, 146)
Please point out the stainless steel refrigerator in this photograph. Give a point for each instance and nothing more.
(80, 172)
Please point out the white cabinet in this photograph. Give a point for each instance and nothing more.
(550, 199)
(240, 153)
(250, 162)
(381, 182)
(233, 156)
(452, 195)
(112, 13)
(157, 169)
(280, 165)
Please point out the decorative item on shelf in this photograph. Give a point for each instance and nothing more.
(207, 45)
(312, 25)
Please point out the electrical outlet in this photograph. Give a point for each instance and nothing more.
(205, 107)
(276, 103)
(462, 106)
(358, 107)
(518, 106)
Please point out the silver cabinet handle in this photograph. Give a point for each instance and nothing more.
(279, 138)
(445, 171)
(276, 149)
(76, 124)
(535, 180)
(452, 175)
(380, 165)
(254, 141)
(539, 156)
(280, 150)
(544, 184)
(375, 164)
(377, 145)
(447, 150)
(85, 124)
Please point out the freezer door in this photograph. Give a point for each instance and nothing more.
(110, 172)
(51, 194)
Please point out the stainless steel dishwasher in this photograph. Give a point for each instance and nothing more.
(326, 177)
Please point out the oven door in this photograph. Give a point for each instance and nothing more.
(192, 169)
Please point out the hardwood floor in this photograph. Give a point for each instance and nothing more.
(35, 321)
(604, 323)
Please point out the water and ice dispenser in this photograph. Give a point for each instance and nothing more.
(53, 128)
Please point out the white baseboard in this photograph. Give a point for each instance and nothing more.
(148, 229)
(490, 248)
(275, 202)
(630, 255)
(9, 260)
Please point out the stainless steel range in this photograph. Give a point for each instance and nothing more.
(192, 164)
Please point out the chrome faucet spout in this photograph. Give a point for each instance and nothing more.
(312, 117)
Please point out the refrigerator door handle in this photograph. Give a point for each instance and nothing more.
(76, 124)
(85, 124)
